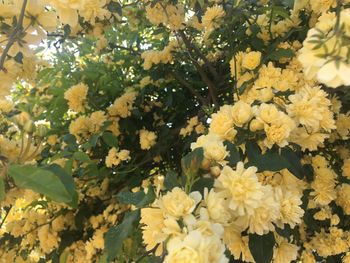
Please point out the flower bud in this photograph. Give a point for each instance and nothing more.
(41, 130)
(29, 126)
(21, 119)
(215, 171)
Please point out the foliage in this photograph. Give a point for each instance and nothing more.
(159, 131)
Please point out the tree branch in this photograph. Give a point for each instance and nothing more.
(189, 44)
(18, 29)
(190, 88)
(211, 86)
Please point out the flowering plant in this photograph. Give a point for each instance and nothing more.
(174, 131)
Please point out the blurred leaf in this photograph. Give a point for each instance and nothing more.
(52, 182)
(202, 183)
(2, 189)
(139, 199)
(280, 53)
(171, 181)
(261, 247)
(116, 235)
(191, 162)
(110, 139)
(294, 160)
(234, 156)
(115, 7)
(82, 157)
(270, 161)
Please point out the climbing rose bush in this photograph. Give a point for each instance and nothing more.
(174, 131)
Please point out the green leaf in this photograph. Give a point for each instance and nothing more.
(127, 197)
(270, 161)
(67, 181)
(151, 259)
(234, 156)
(103, 258)
(64, 257)
(202, 183)
(2, 189)
(110, 139)
(116, 235)
(191, 162)
(280, 53)
(19, 57)
(288, 3)
(82, 157)
(52, 182)
(295, 166)
(115, 7)
(71, 142)
(261, 247)
(139, 199)
(149, 198)
(170, 180)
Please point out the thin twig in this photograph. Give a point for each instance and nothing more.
(34, 153)
(3, 220)
(43, 224)
(211, 86)
(190, 88)
(200, 54)
(27, 148)
(18, 29)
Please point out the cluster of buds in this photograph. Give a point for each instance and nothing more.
(26, 124)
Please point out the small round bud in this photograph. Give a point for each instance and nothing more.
(41, 130)
(215, 171)
(21, 119)
(29, 126)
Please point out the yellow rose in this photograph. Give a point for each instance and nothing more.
(251, 60)
(346, 168)
(222, 123)
(178, 204)
(214, 149)
(241, 113)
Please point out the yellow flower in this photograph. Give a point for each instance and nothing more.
(222, 123)
(47, 238)
(212, 17)
(154, 223)
(177, 203)
(115, 157)
(343, 198)
(343, 125)
(76, 96)
(214, 148)
(216, 207)
(324, 186)
(237, 244)
(91, 10)
(284, 252)
(195, 248)
(306, 140)
(346, 168)
(277, 125)
(123, 105)
(241, 113)
(290, 211)
(251, 60)
(264, 215)
(52, 139)
(6, 106)
(241, 187)
(147, 139)
(322, 6)
(67, 11)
